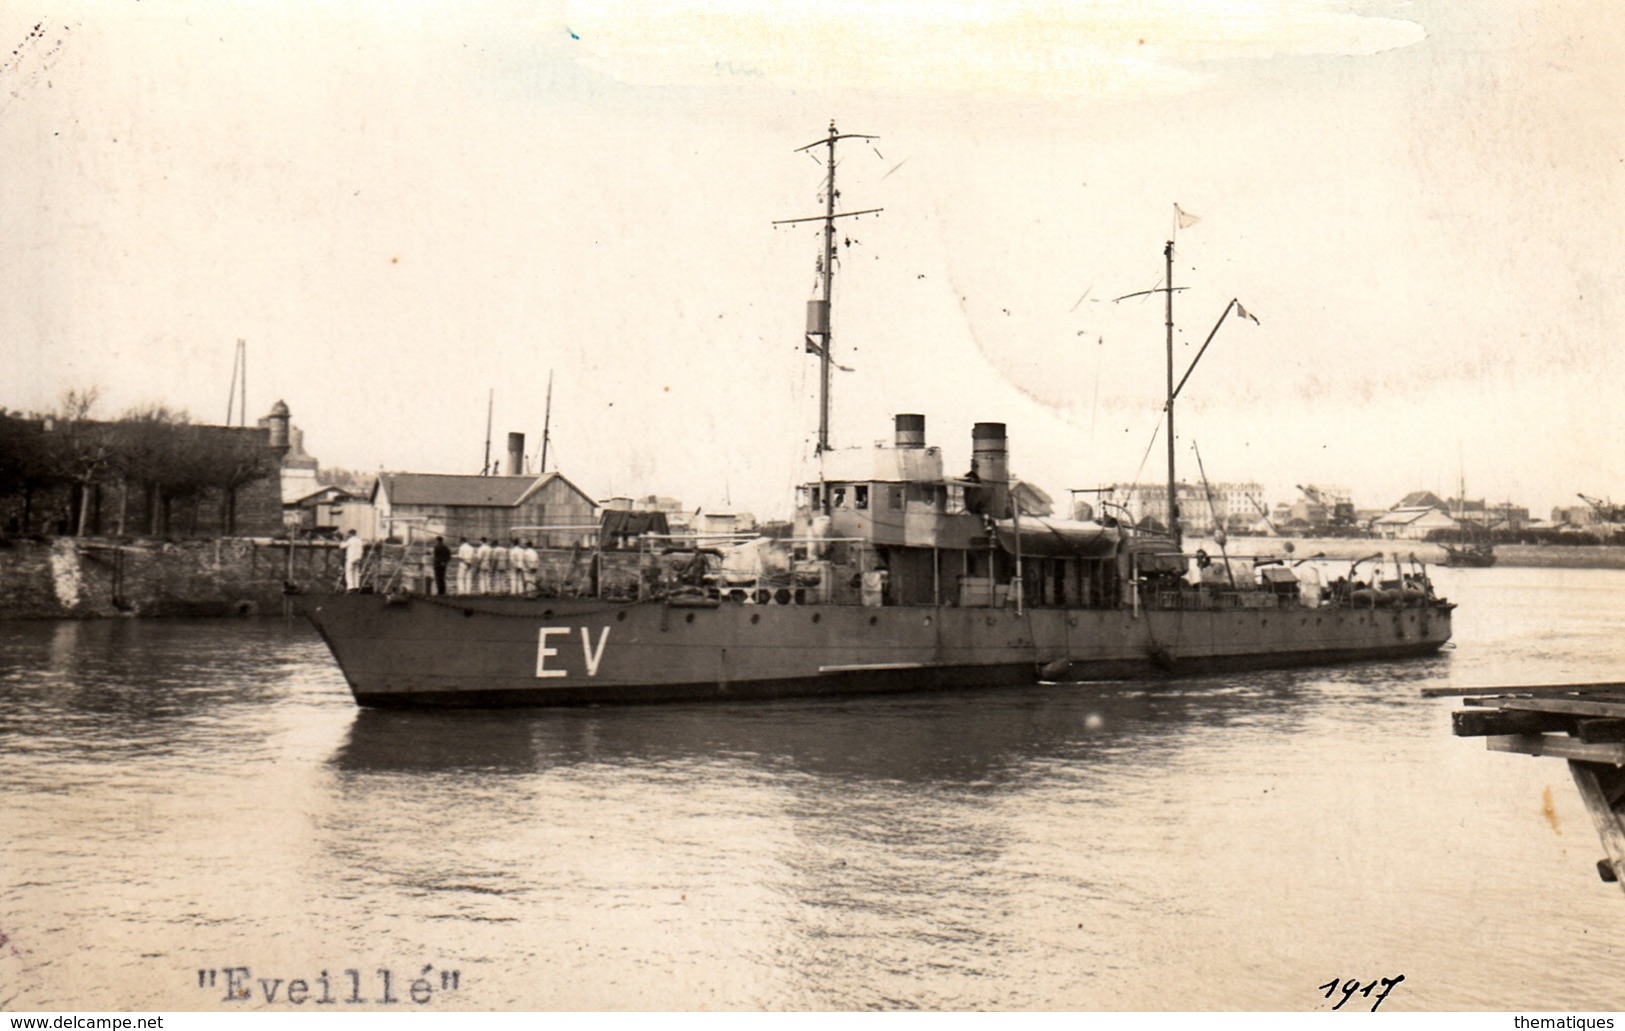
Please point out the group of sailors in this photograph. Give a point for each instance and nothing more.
(491, 567)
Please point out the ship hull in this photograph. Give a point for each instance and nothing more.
(433, 652)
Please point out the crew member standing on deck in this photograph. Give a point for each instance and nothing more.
(532, 564)
(516, 567)
(482, 567)
(465, 567)
(354, 547)
(442, 559)
(498, 581)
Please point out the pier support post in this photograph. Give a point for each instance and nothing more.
(1602, 787)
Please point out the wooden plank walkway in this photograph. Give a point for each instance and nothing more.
(1583, 724)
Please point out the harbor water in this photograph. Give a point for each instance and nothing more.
(195, 812)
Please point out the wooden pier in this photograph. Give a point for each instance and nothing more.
(1582, 723)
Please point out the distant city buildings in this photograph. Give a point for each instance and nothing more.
(154, 473)
(1234, 507)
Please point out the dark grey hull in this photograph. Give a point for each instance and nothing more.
(420, 652)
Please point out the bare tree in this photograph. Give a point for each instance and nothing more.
(27, 463)
(152, 454)
(82, 448)
(230, 461)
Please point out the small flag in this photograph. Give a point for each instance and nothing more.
(1186, 219)
(1244, 313)
(813, 348)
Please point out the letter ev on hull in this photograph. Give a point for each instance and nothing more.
(590, 656)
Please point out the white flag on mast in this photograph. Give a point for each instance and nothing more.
(1185, 218)
(814, 348)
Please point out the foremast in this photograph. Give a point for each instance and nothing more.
(818, 310)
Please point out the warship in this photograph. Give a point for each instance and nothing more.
(895, 577)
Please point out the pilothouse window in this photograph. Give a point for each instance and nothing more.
(837, 497)
(860, 496)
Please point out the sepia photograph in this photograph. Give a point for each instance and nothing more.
(625, 507)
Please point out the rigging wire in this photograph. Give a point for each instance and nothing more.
(1155, 432)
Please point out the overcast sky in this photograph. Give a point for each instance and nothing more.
(403, 207)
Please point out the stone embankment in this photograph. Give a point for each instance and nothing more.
(1554, 556)
(69, 577)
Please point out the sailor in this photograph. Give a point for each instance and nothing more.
(482, 567)
(874, 587)
(442, 559)
(497, 583)
(465, 567)
(532, 565)
(516, 567)
(354, 547)
(426, 569)
(975, 494)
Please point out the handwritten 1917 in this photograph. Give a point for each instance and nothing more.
(1352, 986)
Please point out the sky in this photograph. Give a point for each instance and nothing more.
(411, 210)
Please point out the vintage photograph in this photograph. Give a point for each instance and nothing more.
(608, 507)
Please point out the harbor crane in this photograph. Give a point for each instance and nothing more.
(1258, 504)
(1339, 514)
(1605, 511)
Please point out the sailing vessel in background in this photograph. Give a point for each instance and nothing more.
(898, 577)
(1473, 549)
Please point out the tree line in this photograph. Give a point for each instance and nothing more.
(65, 472)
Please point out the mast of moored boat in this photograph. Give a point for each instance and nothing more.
(818, 320)
(1173, 496)
(490, 406)
(547, 421)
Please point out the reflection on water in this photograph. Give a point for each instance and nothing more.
(986, 737)
(191, 795)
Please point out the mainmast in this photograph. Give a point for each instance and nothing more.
(1168, 288)
(818, 321)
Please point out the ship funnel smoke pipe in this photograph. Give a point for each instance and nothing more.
(990, 458)
(516, 454)
(910, 431)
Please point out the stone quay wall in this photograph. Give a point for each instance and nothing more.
(71, 577)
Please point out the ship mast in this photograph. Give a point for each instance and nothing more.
(547, 421)
(1168, 288)
(1173, 496)
(818, 321)
(490, 406)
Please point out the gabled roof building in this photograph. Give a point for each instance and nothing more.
(1411, 523)
(548, 510)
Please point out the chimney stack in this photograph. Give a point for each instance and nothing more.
(516, 454)
(910, 431)
(990, 457)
